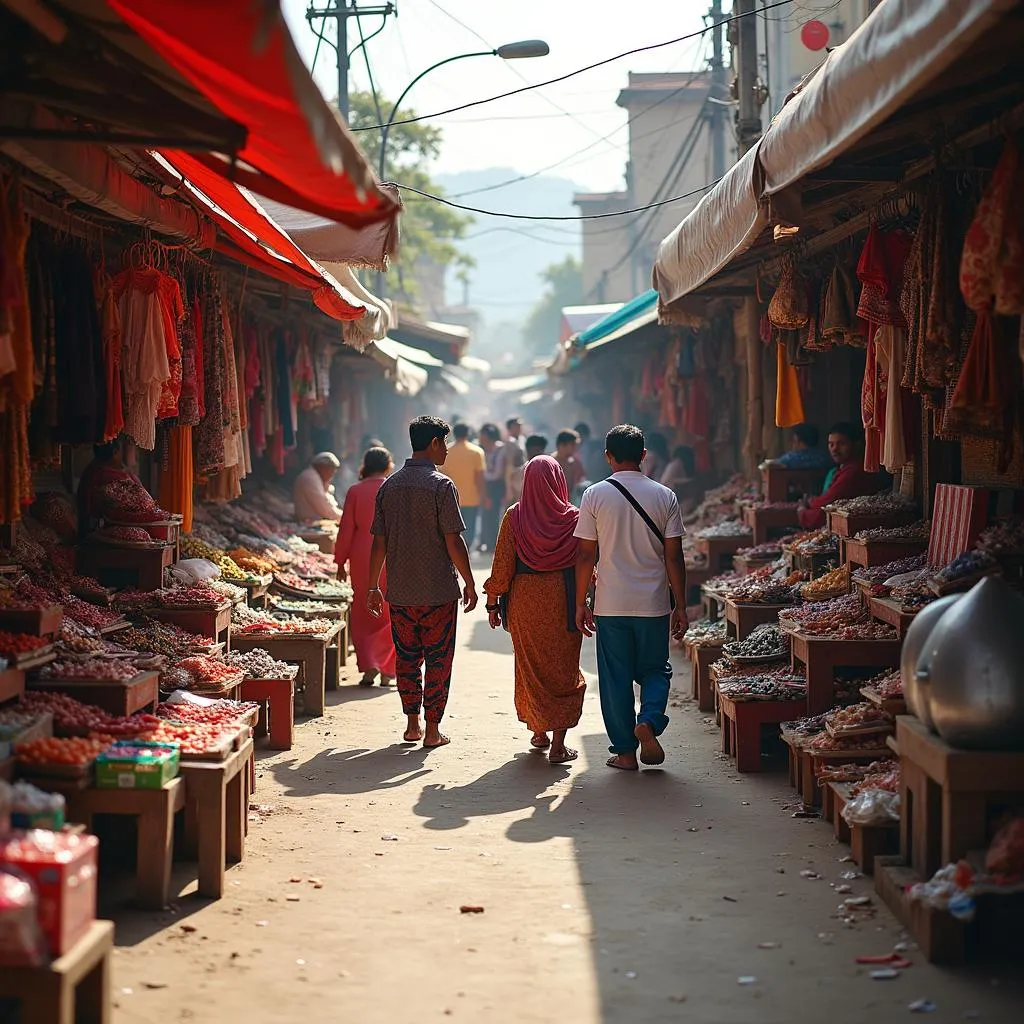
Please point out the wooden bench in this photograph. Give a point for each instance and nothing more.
(73, 989)
(154, 810)
(216, 812)
(741, 726)
(278, 720)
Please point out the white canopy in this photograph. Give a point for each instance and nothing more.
(902, 47)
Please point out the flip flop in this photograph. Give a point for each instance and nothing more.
(569, 755)
(612, 762)
(651, 751)
(433, 746)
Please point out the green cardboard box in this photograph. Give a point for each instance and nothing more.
(136, 765)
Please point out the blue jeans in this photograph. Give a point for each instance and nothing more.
(632, 649)
(470, 516)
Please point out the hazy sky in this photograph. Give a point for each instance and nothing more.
(531, 130)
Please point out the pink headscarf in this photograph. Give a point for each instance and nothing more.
(543, 521)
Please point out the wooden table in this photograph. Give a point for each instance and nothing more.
(115, 696)
(741, 722)
(778, 484)
(711, 605)
(746, 564)
(257, 590)
(947, 795)
(155, 810)
(821, 656)
(702, 688)
(308, 652)
(719, 550)
(742, 618)
(211, 622)
(870, 553)
(216, 810)
(768, 523)
(141, 567)
(885, 609)
(73, 989)
(279, 718)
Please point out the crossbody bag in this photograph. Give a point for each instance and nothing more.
(651, 525)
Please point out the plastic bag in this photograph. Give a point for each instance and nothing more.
(188, 570)
(873, 807)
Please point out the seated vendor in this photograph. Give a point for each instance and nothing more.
(804, 452)
(313, 492)
(846, 479)
(106, 468)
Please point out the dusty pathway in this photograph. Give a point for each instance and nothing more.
(607, 897)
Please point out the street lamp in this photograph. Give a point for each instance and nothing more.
(510, 51)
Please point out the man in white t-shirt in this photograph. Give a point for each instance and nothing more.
(641, 567)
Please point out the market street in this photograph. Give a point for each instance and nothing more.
(606, 896)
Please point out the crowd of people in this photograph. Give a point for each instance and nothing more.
(586, 540)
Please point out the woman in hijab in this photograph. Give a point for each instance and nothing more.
(533, 578)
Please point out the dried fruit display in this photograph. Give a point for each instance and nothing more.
(876, 575)
(220, 713)
(918, 532)
(259, 664)
(726, 528)
(815, 542)
(858, 718)
(73, 751)
(883, 503)
(766, 643)
(824, 588)
(196, 595)
(888, 685)
(769, 549)
(880, 775)
(163, 638)
(845, 744)
(970, 563)
(192, 737)
(253, 562)
(301, 606)
(125, 534)
(854, 772)
(127, 501)
(89, 668)
(208, 673)
(315, 588)
(12, 644)
(802, 728)
(740, 682)
(706, 633)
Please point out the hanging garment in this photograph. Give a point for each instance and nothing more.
(18, 381)
(789, 403)
(110, 330)
(890, 343)
(209, 433)
(176, 482)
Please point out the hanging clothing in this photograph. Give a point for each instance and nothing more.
(789, 403)
(176, 481)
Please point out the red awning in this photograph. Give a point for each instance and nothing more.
(246, 233)
(240, 55)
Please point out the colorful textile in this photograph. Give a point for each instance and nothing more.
(789, 403)
(424, 635)
(542, 521)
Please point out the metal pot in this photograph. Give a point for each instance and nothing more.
(973, 665)
(917, 692)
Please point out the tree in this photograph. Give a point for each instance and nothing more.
(429, 228)
(564, 288)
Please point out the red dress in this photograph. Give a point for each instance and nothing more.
(375, 648)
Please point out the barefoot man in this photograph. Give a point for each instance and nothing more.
(417, 529)
(635, 524)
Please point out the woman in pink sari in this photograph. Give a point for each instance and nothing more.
(375, 649)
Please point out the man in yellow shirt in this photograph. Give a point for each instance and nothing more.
(465, 466)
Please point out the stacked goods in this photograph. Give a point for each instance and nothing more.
(137, 765)
(766, 643)
(315, 564)
(706, 633)
(88, 589)
(778, 587)
(918, 532)
(220, 713)
(258, 664)
(725, 582)
(227, 591)
(878, 574)
(88, 669)
(824, 588)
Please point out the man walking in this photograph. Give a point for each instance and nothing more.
(494, 494)
(417, 530)
(465, 467)
(513, 461)
(635, 522)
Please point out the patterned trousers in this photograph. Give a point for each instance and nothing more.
(424, 634)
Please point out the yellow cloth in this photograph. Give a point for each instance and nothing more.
(176, 483)
(789, 403)
(465, 460)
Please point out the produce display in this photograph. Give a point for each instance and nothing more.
(883, 503)
(315, 588)
(253, 562)
(300, 606)
(191, 737)
(888, 685)
(14, 644)
(89, 668)
(249, 622)
(74, 751)
(220, 713)
(706, 633)
(163, 638)
(741, 684)
(911, 533)
(726, 528)
(208, 673)
(814, 542)
(824, 588)
(44, 591)
(258, 664)
(1004, 538)
(127, 501)
(197, 595)
(858, 718)
(770, 549)
(880, 775)
(767, 587)
(826, 616)
(73, 718)
(192, 547)
(766, 643)
(877, 575)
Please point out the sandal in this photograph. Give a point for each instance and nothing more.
(567, 755)
(543, 743)
(613, 762)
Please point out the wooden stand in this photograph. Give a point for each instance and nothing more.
(821, 656)
(769, 522)
(867, 842)
(778, 484)
(211, 622)
(257, 590)
(710, 605)
(884, 609)
(741, 726)
(743, 618)
(137, 567)
(308, 652)
(702, 688)
(155, 810)
(844, 525)
(878, 552)
(115, 696)
(12, 684)
(74, 989)
(719, 550)
(216, 810)
(813, 761)
(946, 796)
(37, 621)
(279, 717)
(746, 564)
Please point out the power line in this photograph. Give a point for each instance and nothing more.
(580, 71)
(531, 216)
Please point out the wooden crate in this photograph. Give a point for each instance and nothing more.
(119, 697)
(719, 550)
(767, 523)
(886, 610)
(36, 621)
(743, 618)
(870, 553)
(778, 484)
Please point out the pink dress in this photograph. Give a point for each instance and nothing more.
(375, 649)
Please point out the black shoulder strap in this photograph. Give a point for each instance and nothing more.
(639, 509)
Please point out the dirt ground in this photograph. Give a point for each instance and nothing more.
(608, 897)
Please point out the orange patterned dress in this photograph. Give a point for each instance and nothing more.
(549, 684)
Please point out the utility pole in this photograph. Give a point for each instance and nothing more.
(340, 11)
(749, 93)
(719, 96)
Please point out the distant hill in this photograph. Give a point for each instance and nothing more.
(510, 254)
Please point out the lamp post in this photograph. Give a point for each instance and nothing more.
(510, 51)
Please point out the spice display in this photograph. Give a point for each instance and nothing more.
(259, 664)
(38, 596)
(192, 547)
(163, 638)
(883, 503)
(726, 528)
(89, 668)
(858, 718)
(815, 542)
(13, 644)
(766, 643)
(127, 501)
(197, 595)
(912, 533)
(876, 575)
(706, 633)
(191, 737)
(227, 591)
(823, 616)
(221, 713)
(315, 588)
(761, 684)
(778, 587)
(206, 672)
(247, 559)
(73, 751)
(824, 588)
